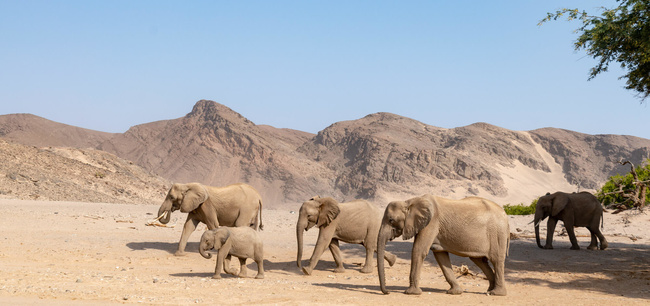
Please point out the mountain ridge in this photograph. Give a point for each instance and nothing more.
(381, 156)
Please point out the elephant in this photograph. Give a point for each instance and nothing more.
(472, 227)
(574, 209)
(241, 242)
(232, 205)
(352, 222)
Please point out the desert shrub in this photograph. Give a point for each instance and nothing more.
(520, 209)
(100, 175)
(608, 193)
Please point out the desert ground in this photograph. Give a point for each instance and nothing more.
(71, 253)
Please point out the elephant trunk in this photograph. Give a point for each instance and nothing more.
(385, 233)
(203, 251)
(300, 230)
(538, 219)
(165, 207)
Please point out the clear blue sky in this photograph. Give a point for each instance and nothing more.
(109, 65)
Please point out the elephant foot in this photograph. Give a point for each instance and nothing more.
(413, 291)
(455, 291)
(391, 259)
(575, 247)
(367, 269)
(180, 253)
(491, 287)
(592, 247)
(498, 292)
(259, 276)
(339, 270)
(216, 276)
(604, 245)
(242, 275)
(306, 270)
(548, 247)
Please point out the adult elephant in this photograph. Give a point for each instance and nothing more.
(574, 209)
(472, 227)
(352, 222)
(232, 205)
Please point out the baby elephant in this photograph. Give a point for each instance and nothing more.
(241, 242)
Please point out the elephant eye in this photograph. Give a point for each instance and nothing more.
(391, 220)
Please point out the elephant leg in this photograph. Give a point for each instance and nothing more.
(324, 240)
(421, 246)
(572, 236)
(336, 253)
(550, 230)
(217, 269)
(445, 265)
(368, 266)
(499, 264)
(596, 233)
(391, 258)
(594, 241)
(227, 266)
(482, 263)
(601, 237)
(260, 266)
(243, 271)
(188, 228)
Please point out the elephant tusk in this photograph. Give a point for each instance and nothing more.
(162, 216)
(537, 224)
(159, 217)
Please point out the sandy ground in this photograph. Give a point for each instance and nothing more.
(67, 253)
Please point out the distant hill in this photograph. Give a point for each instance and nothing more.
(70, 174)
(37, 131)
(380, 157)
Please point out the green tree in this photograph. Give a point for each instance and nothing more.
(620, 34)
(627, 191)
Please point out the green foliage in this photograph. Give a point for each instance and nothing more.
(520, 209)
(100, 175)
(613, 183)
(622, 35)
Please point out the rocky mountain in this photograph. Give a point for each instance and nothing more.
(217, 146)
(70, 174)
(588, 160)
(379, 157)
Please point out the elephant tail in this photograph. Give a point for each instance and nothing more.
(260, 213)
(602, 220)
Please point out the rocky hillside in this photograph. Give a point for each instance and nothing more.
(379, 157)
(217, 146)
(37, 131)
(588, 160)
(84, 175)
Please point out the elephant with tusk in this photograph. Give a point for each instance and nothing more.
(574, 209)
(232, 205)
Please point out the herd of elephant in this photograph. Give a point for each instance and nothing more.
(472, 227)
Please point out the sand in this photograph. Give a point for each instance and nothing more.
(69, 253)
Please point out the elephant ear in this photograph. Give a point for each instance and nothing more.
(194, 196)
(329, 210)
(223, 235)
(417, 217)
(560, 202)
